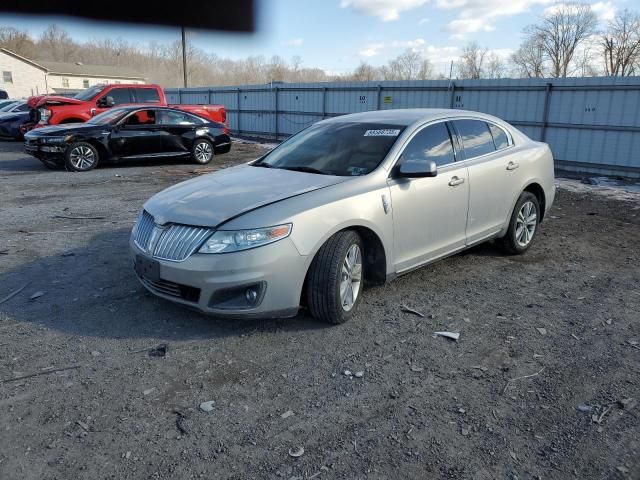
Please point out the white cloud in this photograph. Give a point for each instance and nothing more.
(295, 42)
(605, 10)
(386, 10)
(371, 50)
(479, 15)
(408, 43)
(423, 21)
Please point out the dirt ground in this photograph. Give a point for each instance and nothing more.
(537, 387)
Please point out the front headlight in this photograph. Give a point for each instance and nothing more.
(225, 241)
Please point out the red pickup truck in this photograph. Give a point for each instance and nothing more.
(54, 110)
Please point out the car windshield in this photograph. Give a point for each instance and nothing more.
(89, 93)
(109, 117)
(8, 106)
(340, 148)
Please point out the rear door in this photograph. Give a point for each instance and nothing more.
(429, 214)
(138, 135)
(493, 176)
(178, 130)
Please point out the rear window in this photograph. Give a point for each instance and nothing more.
(147, 95)
(476, 137)
(343, 149)
(500, 138)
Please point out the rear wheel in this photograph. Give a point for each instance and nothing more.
(202, 151)
(335, 279)
(523, 225)
(81, 157)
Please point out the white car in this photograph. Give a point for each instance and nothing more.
(353, 200)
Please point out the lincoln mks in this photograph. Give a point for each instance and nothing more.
(348, 202)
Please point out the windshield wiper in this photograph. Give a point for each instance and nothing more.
(262, 164)
(302, 168)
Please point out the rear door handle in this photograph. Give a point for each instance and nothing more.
(455, 181)
(512, 165)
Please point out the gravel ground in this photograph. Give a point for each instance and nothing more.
(540, 335)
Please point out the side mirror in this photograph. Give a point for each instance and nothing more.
(107, 102)
(421, 169)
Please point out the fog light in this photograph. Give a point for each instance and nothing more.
(251, 294)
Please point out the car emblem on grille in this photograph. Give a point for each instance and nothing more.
(156, 233)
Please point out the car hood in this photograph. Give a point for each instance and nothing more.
(66, 129)
(213, 199)
(41, 100)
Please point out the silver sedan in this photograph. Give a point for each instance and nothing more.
(348, 202)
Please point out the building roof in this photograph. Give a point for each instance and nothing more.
(78, 68)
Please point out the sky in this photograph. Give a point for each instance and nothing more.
(336, 35)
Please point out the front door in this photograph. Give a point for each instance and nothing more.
(138, 135)
(429, 214)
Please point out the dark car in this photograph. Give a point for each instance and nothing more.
(128, 133)
(12, 118)
(3, 94)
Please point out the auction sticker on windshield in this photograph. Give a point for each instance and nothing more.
(382, 133)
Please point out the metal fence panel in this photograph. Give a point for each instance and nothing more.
(591, 124)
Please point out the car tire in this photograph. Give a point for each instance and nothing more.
(81, 157)
(523, 225)
(202, 151)
(330, 279)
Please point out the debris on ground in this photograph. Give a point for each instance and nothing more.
(287, 414)
(207, 406)
(541, 330)
(38, 294)
(14, 293)
(510, 381)
(182, 422)
(149, 391)
(413, 311)
(583, 407)
(296, 452)
(347, 373)
(43, 372)
(627, 403)
(450, 335)
(359, 374)
(159, 351)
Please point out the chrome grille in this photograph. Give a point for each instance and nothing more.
(175, 242)
(179, 241)
(143, 231)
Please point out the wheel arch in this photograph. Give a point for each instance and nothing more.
(375, 256)
(538, 191)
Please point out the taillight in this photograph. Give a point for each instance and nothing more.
(224, 116)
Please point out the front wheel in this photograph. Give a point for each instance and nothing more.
(523, 225)
(335, 279)
(80, 157)
(202, 151)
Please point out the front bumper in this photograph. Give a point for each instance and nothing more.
(202, 280)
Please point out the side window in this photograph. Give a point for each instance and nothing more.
(119, 95)
(500, 138)
(169, 117)
(430, 143)
(7, 77)
(85, 83)
(147, 95)
(476, 137)
(141, 117)
(23, 107)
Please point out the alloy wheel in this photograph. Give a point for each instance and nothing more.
(351, 277)
(526, 223)
(82, 157)
(203, 152)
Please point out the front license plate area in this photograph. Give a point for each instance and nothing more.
(147, 268)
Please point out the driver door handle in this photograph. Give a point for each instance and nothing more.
(456, 181)
(512, 165)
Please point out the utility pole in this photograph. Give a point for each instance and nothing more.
(184, 57)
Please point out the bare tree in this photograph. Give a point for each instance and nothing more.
(494, 68)
(57, 44)
(561, 32)
(471, 61)
(529, 59)
(364, 73)
(621, 44)
(17, 41)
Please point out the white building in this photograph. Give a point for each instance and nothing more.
(21, 77)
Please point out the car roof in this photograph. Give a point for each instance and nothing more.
(407, 116)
